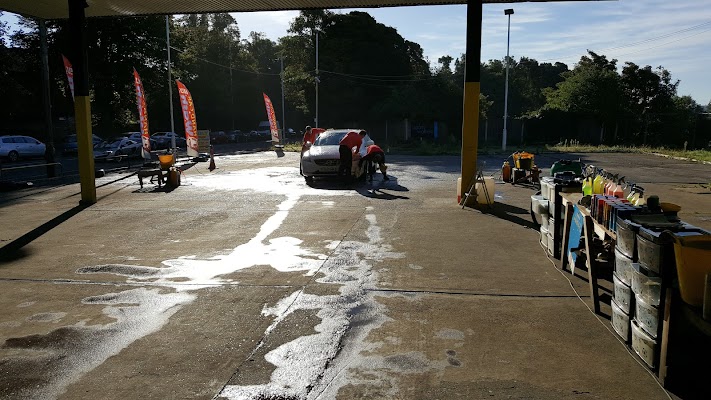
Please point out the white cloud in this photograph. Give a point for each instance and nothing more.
(274, 24)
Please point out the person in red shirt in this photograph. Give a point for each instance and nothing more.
(309, 137)
(347, 146)
(375, 155)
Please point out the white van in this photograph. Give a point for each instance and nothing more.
(264, 128)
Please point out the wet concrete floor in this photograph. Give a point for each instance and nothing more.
(245, 283)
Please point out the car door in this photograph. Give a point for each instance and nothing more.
(34, 146)
(21, 146)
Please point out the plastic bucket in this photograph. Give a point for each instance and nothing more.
(166, 161)
(693, 262)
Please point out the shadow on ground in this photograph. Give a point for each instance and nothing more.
(12, 251)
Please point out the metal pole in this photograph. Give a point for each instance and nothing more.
(49, 151)
(170, 83)
(283, 113)
(316, 120)
(506, 90)
(232, 97)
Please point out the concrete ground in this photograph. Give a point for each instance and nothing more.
(245, 283)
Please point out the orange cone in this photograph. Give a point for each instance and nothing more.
(212, 159)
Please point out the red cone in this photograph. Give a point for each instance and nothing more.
(212, 159)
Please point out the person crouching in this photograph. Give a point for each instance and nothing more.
(375, 155)
(347, 146)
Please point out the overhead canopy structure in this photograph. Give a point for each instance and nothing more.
(77, 10)
(52, 9)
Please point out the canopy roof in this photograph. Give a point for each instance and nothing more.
(53, 9)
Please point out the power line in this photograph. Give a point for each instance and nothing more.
(225, 66)
(366, 78)
(640, 42)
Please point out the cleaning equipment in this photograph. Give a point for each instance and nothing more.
(619, 190)
(693, 265)
(598, 183)
(174, 177)
(587, 186)
(523, 160)
(567, 165)
(506, 172)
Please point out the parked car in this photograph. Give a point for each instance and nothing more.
(164, 140)
(264, 129)
(322, 158)
(136, 137)
(15, 146)
(219, 137)
(235, 136)
(70, 143)
(116, 148)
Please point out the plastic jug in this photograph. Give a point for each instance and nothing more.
(587, 186)
(506, 172)
(487, 197)
(618, 192)
(597, 186)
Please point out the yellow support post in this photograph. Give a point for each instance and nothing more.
(82, 104)
(85, 147)
(472, 77)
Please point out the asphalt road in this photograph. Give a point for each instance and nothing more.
(246, 283)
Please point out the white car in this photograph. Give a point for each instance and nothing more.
(15, 146)
(322, 158)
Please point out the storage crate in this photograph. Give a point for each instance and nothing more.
(620, 322)
(644, 345)
(622, 294)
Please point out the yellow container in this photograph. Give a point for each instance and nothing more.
(485, 197)
(693, 262)
(166, 161)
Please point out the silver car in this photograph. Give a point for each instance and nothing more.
(114, 150)
(322, 158)
(16, 146)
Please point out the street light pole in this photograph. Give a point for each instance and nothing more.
(283, 112)
(170, 83)
(508, 12)
(317, 80)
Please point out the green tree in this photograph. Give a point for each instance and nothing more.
(650, 95)
(592, 89)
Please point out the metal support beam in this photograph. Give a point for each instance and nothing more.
(472, 78)
(82, 106)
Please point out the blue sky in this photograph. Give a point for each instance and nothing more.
(673, 33)
(646, 32)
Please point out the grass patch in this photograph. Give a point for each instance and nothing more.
(294, 147)
(700, 155)
(455, 149)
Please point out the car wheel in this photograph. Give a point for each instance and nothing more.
(13, 156)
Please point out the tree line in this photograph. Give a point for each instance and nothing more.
(367, 74)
